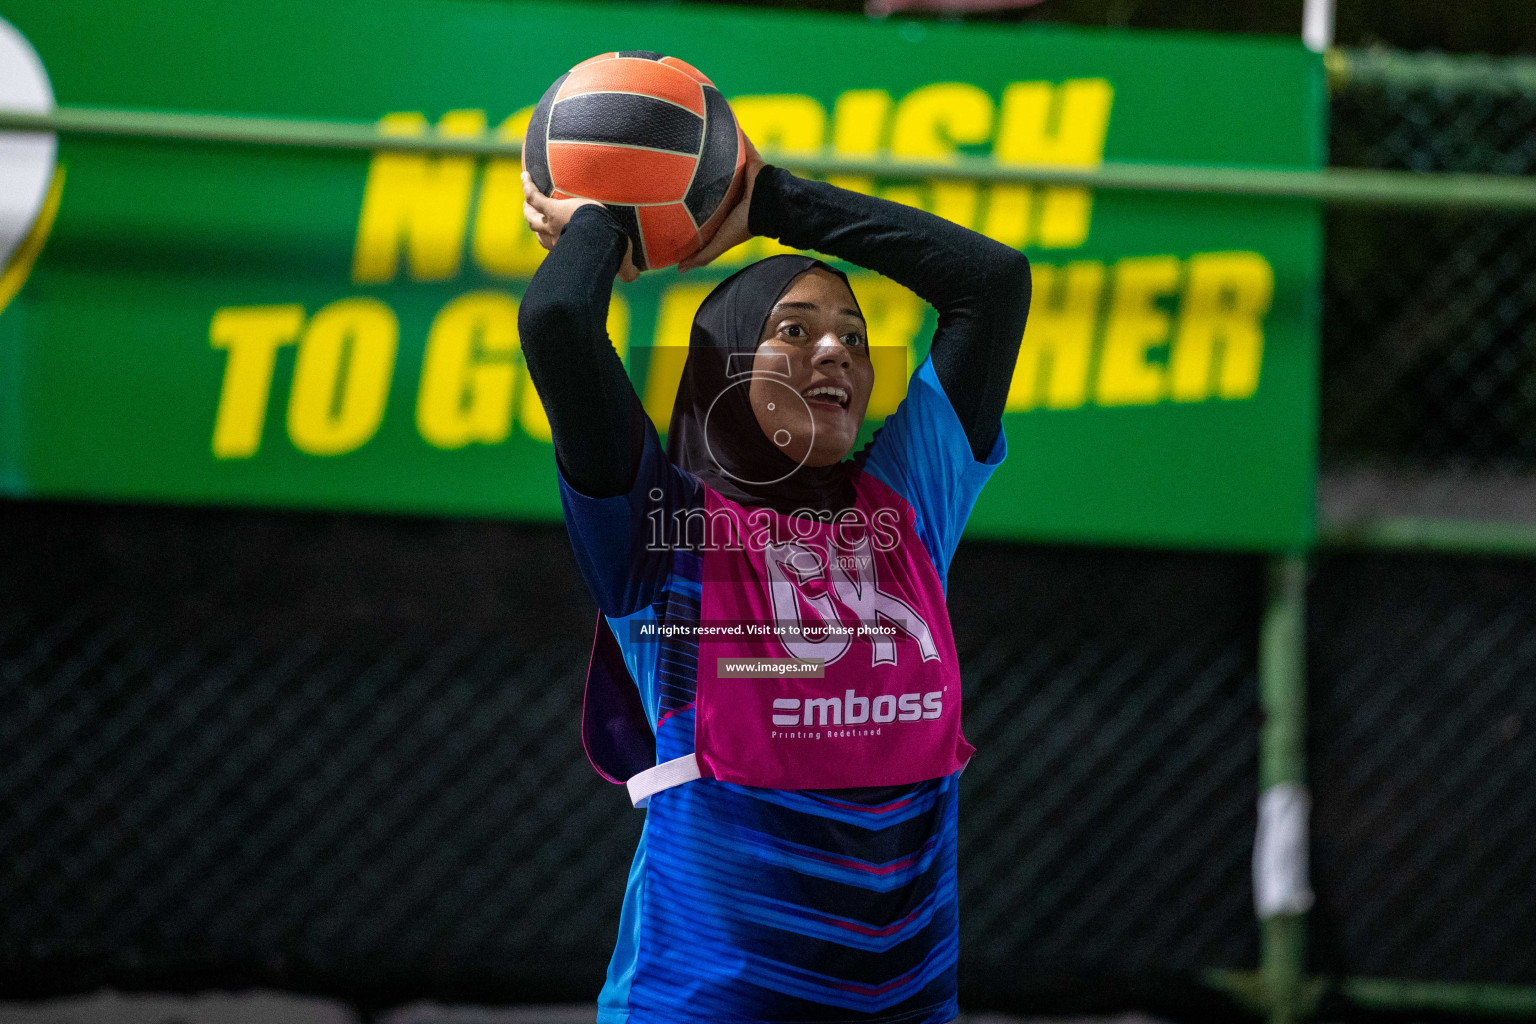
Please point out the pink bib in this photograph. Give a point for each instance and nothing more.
(860, 595)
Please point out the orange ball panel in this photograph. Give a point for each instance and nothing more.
(668, 232)
(687, 69)
(635, 74)
(593, 60)
(618, 174)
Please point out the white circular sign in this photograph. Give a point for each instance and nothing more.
(26, 158)
(780, 437)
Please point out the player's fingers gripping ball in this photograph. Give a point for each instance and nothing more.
(649, 137)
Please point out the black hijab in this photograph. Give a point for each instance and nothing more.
(735, 457)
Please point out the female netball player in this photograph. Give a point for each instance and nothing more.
(798, 856)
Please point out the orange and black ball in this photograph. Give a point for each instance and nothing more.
(648, 136)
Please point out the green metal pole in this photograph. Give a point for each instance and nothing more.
(1442, 536)
(1442, 997)
(1381, 67)
(1350, 186)
(1392, 995)
(1281, 888)
(293, 133)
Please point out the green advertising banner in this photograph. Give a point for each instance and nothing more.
(217, 324)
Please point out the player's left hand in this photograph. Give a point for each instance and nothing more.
(733, 230)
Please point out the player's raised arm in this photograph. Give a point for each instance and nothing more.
(593, 410)
(980, 287)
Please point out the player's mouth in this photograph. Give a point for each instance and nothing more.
(827, 396)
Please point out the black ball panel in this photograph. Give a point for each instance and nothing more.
(625, 119)
(717, 162)
(535, 156)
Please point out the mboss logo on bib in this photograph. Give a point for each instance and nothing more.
(849, 581)
(854, 709)
(29, 179)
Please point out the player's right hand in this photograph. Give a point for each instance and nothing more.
(548, 217)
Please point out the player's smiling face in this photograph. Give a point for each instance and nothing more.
(815, 345)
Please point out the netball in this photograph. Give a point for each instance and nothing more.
(647, 135)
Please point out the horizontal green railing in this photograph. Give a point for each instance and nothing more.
(1333, 184)
(1382, 67)
(1440, 996)
(1441, 536)
(1382, 995)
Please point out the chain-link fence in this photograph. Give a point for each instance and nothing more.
(340, 755)
(334, 754)
(1429, 323)
(1423, 768)
(1420, 707)
(1107, 825)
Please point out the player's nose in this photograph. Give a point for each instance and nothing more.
(830, 350)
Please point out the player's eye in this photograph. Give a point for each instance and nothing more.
(792, 330)
(853, 340)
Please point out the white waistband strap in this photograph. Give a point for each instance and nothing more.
(664, 776)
